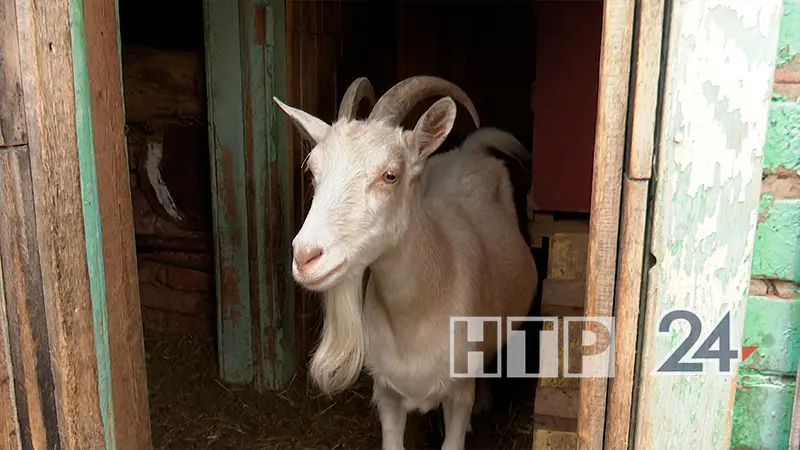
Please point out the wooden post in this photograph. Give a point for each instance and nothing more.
(610, 135)
(718, 78)
(646, 68)
(251, 194)
(67, 243)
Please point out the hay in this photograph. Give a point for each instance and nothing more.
(191, 409)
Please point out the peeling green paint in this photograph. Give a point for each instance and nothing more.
(709, 169)
(762, 412)
(777, 246)
(92, 222)
(782, 147)
(774, 326)
(789, 37)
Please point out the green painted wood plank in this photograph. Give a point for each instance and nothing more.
(711, 135)
(91, 218)
(262, 180)
(229, 189)
(275, 245)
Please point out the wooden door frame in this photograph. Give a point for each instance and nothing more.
(245, 57)
(650, 195)
(67, 248)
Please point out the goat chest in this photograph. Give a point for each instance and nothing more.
(415, 364)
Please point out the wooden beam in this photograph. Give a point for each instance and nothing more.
(116, 250)
(57, 131)
(229, 190)
(251, 196)
(719, 69)
(646, 70)
(12, 111)
(13, 134)
(65, 248)
(22, 286)
(9, 422)
(610, 137)
(626, 312)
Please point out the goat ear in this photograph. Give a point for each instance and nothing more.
(314, 129)
(434, 126)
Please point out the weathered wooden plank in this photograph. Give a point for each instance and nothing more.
(610, 135)
(645, 90)
(720, 64)
(246, 65)
(269, 209)
(626, 310)
(67, 224)
(555, 423)
(12, 110)
(9, 423)
(567, 256)
(543, 226)
(115, 251)
(22, 287)
(554, 440)
(556, 402)
(573, 342)
(226, 117)
(92, 225)
(563, 292)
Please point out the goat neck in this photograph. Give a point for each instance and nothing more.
(402, 273)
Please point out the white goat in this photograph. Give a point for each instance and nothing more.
(439, 236)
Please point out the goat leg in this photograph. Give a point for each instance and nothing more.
(392, 416)
(457, 414)
(483, 396)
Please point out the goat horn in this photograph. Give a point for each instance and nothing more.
(359, 89)
(397, 102)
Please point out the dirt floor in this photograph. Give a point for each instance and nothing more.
(192, 409)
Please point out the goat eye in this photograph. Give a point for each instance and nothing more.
(389, 177)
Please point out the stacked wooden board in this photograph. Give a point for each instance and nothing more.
(556, 402)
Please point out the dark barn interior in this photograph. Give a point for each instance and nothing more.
(496, 51)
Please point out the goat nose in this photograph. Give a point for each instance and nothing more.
(305, 256)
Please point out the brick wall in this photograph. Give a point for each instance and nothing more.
(764, 396)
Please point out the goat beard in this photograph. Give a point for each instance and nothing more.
(339, 358)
